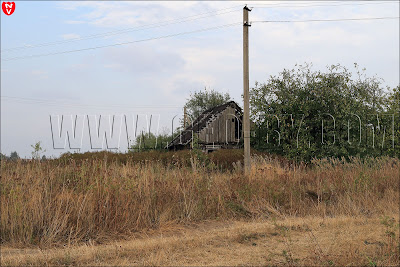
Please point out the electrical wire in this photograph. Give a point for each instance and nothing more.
(336, 3)
(329, 2)
(77, 105)
(128, 30)
(195, 31)
(124, 43)
(323, 20)
(175, 21)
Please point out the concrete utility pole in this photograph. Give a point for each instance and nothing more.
(246, 112)
(184, 117)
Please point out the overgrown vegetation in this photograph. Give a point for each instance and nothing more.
(89, 198)
(225, 159)
(200, 101)
(54, 202)
(13, 156)
(304, 114)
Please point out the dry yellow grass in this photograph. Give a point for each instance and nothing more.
(74, 212)
(290, 241)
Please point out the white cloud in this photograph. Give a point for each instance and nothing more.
(139, 59)
(75, 22)
(137, 13)
(212, 58)
(69, 36)
(167, 70)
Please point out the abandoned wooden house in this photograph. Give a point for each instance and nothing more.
(215, 128)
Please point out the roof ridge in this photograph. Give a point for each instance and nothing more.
(201, 121)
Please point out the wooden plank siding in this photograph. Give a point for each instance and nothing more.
(221, 130)
(219, 126)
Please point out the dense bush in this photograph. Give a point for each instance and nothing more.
(290, 109)
(224, 159)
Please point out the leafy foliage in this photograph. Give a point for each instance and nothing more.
(14, 155)
(150, 141)
(394, 108)
(304, 114)
(200, 101)
(37, 151)
(224, 159)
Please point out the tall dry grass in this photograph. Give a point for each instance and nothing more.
(49, 203)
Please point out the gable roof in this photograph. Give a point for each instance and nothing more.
(200, 123)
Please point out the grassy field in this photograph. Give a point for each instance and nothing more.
(288, 241)
(191, 211)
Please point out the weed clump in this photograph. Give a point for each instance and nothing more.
(78, 198)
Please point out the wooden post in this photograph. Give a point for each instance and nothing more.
(246, 112)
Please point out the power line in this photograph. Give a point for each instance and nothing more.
(189, 32)
(127, 30)
(335, 3)
(322, 20)
(359, 2)
(75, 105)
(329, 2)
(175, 21)
(200, 30)
(124, 43)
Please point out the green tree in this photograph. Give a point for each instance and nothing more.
(394, 100)
(14, 155)
(298, 100)
(200, 101)
(150, 141)
(37, 150)
(393, 109)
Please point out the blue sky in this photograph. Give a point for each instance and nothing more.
(157, 76)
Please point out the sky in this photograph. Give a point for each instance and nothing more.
(43, 75)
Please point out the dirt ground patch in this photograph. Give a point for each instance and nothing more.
(287, 241)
